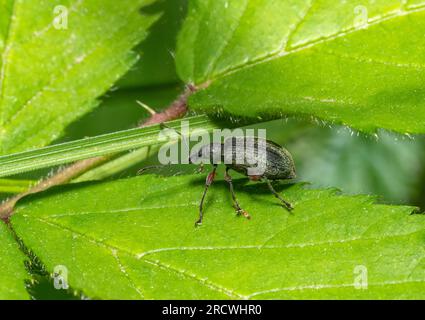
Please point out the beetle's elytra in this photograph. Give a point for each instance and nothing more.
(276, 161)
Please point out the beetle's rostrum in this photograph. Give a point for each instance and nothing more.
(258, 159)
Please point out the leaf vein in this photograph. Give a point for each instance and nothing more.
(125, 273)
(278, 54)
(227, 41)
(417, 67)
(297, 25)
(205, 282)
(332, 286)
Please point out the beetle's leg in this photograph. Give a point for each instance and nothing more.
(236, 205)
(286, 203)
(208, 182)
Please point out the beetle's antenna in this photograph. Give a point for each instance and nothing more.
(141, 171)
(153, 112)
(183, 138)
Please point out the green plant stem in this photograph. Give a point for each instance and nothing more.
(91, 147)
(117, 165)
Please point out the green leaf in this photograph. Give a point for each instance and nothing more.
(13, 273)
(50, 76)
(355, 63)
(136, 239)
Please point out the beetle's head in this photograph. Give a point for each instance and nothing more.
(292, 174)
(207, 154)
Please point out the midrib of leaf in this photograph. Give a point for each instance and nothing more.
(288, 50)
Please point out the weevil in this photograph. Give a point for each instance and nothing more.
(276, 161)
(277, 164)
